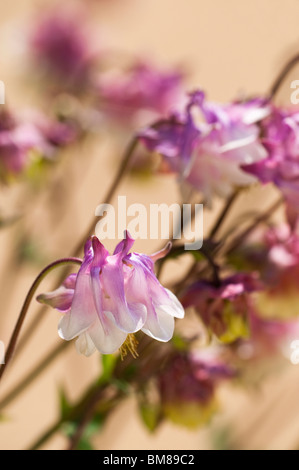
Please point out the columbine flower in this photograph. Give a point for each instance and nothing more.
(187, 387)
(142, 92)
(208, 155)
(60, 44)
(281, 137)
(111, 296)
(224, 309)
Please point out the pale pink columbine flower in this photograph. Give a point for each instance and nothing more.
(209, 153)
(111, 296)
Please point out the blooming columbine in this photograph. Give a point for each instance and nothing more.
(111, 296)
(209, 154)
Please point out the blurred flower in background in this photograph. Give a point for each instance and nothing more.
(187, 387)
(28, 134)
(224, 308)
(209, 153)
(64, 50)
(140, 93)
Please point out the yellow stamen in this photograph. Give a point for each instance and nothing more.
(130, 345)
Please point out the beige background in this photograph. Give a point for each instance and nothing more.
(229, 48)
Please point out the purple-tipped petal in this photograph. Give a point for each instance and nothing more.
(125, 245)
(83, 311)
(61, 298)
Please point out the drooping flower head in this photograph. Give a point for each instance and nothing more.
(111, 296)
(224, 309)
(208, 154)
(188, 384)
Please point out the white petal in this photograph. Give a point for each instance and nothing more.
(83, 311)
(161, 327)
(71, 326)
(174, 307)
(84, 345)
(107, 338)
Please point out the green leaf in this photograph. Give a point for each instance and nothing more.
(64, 404)
(150, 414)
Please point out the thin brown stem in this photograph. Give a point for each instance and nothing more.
(26, 304)
(85, 419)
(220, 220)
(236, 242)
(282, 75)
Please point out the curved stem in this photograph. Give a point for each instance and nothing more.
(282, 75)
(31, 292)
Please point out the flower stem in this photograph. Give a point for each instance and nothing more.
(282, 75)
(257, 221)
(26, 304)
(223, 215)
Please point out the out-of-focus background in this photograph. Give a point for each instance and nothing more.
(229, 49)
